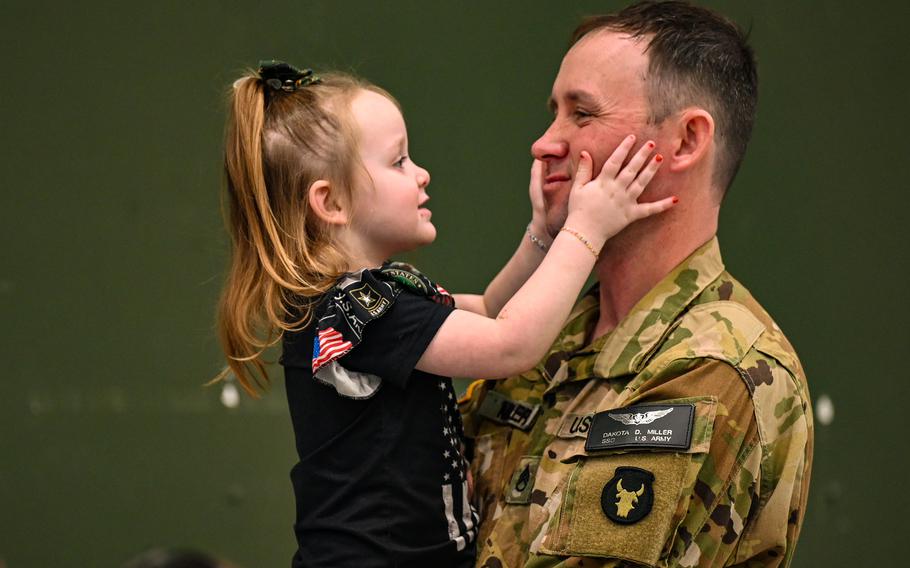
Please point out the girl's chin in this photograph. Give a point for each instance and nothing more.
(424, 237)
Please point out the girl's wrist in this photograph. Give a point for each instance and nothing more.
(592, 233)
(593, 247)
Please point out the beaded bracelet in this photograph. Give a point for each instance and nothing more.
(534, 239)
(583, 240)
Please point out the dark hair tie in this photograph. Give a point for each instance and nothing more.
(279, 75)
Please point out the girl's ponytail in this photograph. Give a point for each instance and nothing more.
(246, 181)
(276, 145)
(240, 314)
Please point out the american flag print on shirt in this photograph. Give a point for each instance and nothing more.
(461, 517)
(328, 346)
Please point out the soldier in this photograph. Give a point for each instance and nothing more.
(670, 423)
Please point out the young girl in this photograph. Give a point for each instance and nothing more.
(321, 193)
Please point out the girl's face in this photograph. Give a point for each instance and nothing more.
(389, 213)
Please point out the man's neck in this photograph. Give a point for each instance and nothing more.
(632, 264)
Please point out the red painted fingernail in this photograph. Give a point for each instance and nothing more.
(658, 158)
(675, 199)
(650, 145)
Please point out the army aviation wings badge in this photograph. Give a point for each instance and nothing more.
(639, 418)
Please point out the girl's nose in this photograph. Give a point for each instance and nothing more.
(423, 177)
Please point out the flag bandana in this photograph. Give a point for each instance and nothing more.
(355, 301)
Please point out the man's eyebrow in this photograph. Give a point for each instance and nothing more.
(582, 97)
(576, 97)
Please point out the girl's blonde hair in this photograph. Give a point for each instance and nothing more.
(276, 145)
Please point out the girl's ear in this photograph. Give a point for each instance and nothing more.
(326, 205)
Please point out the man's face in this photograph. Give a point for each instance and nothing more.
(598, 99)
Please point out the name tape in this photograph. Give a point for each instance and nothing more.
(658, 426)
(504, 410)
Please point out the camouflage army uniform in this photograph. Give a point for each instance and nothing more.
(734, 496)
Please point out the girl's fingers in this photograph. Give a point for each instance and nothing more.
(614, 162)
(643, 210)
(583, 173)
(632, 169)
(645, 176)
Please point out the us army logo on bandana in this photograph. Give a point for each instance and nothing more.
(629, 496)
(504, 410)
(522, 483)
(654, 426)
(369, 299)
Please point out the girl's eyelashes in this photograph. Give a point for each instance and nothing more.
(400, 162)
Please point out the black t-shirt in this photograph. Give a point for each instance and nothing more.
(381, 480)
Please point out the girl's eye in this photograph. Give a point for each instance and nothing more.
(400, 162)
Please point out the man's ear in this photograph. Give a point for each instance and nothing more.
(326, 205)
(694, 136)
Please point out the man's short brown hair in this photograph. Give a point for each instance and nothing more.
(696, 58)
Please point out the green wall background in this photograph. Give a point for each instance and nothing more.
(113, 251)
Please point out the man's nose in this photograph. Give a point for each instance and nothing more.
(550, 146)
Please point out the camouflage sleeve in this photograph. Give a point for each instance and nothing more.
(468, 406)
(737, 504)
(781, 470)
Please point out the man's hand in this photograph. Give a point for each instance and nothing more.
(538, 226)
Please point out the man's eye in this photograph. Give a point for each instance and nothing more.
(582, 114)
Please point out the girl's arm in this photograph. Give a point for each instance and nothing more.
(471, 345)
(524, 261)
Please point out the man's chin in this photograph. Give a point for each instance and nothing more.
(554, 225)
(556, 214)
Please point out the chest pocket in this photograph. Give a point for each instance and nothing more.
(626, 502)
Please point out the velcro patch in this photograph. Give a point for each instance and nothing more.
(656, 426)
(522, 484)
(504, 410)
(575, 426)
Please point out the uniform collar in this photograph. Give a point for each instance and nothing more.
(625, 350)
